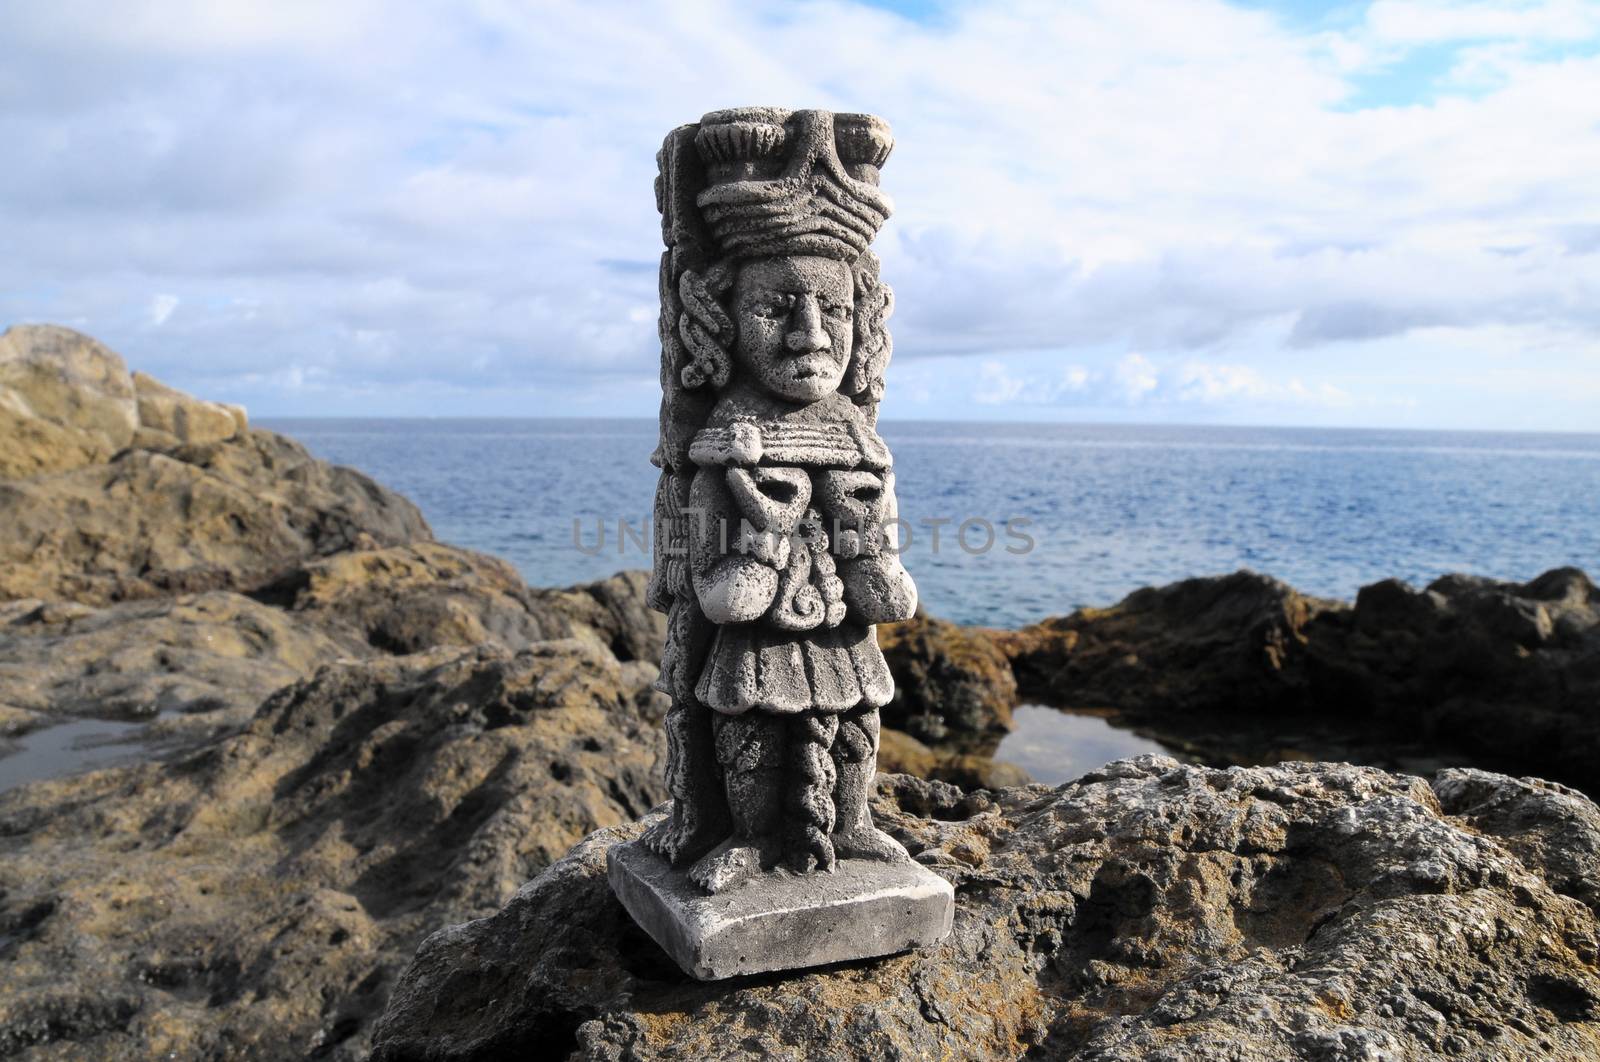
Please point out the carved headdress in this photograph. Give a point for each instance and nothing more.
(785, 183)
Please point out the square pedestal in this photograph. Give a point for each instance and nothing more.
(782, 920)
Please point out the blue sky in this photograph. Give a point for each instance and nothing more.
(1131, 210)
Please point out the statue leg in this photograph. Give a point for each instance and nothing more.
(810, 790)
(855, 753)
(749, 748)
(699, 818)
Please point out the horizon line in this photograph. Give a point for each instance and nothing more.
(976, 422)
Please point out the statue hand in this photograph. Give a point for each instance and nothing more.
(736, 590)
(877, 589)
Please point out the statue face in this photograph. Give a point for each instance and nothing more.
(793, 318)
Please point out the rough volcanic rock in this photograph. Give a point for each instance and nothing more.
(254, 899)
(1504, 674)
(216, 652)
(115, 486)
(1508, 673)
(225, 515)
(900, 753)
(184, 418)
(950, 681)
(1233, 642)
(404, 599)
(206, 661)
(1146, 911)
(65, 401)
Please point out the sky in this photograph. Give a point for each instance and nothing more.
(1167, 211)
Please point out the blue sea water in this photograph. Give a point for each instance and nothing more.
(1109, 508)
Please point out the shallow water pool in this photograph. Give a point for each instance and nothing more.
(65, 748)
(1056, 746)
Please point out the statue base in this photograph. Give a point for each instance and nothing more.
(782, 920)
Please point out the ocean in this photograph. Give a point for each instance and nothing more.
(1080, 514)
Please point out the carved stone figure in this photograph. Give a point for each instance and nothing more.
(775, 552)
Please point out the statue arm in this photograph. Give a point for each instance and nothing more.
(877, 588)
(732, 587)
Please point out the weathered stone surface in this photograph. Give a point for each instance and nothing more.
(216, 652)
(1146, 911)
(228, 515)
(255, 898)
(782, 920)
(65, 401)
(183, 417)
(422, 595)
(212, 658)
(949, 680)
(115, 486)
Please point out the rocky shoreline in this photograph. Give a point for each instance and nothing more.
(358, 735)
(1467, 670)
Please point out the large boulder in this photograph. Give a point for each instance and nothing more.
(65, 401)
(1146, 911)
(1505, 673)
(256, 898)
(114, 486)
(222, 515)
(1233, 643)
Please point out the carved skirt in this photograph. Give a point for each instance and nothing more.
(828, 669)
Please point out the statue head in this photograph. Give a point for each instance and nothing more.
(792, 330)
(796, 327)
(791, 304)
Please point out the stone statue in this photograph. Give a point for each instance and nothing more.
(775, 553)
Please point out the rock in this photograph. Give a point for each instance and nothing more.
(900, 753)
(257, 897)
(616, 610)
(183, 417)
(1504, 673)
(1197, 645)
(1146, 911)
(228, 515)
(216, 652)
(949, 680)
(15, 722)
(425, 595)
(1476, 670)
(115, 486)
(65, 401)
(219, 654)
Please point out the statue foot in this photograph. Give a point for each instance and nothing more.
(681, 838)
(869, 842)
(728, 864)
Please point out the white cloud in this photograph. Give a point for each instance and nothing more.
(1433, 21)
(161, 307)
(468, 183)
(997, 387)
(1135, 378)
